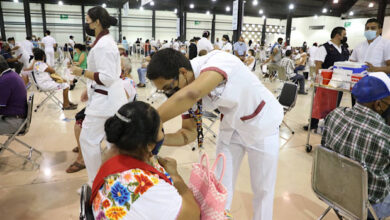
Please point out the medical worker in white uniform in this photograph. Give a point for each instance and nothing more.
(49, 43)
(375, 51)
(204, 43)
(105, 92)
(250, 122)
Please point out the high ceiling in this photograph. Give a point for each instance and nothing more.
(271, 8)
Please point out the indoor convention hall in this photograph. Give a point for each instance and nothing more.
(195, 109)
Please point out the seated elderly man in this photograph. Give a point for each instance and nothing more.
(288, 64)
(362, 133)
(13, 99)
(12, 61)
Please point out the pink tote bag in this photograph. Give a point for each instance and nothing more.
(208, 191)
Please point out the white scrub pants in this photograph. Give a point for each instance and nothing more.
(263, 163)
(50, 57)
(92, 134)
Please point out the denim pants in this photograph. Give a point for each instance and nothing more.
(382, 209)
(301, 81)
(142, 75)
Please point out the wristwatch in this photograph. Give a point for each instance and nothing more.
(83, 72)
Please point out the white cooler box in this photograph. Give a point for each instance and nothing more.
(346, 74)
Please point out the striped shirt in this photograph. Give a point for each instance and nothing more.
(362, 135)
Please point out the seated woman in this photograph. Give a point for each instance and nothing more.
(134, 183)
(250, 60)
(142, 71)
(48, 80)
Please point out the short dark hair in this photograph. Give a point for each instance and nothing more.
(71, 37)
(226, 37)
(206, 34)
(47, 32)
(288, 53)
(3, 64)
(304, 49)
(252, 51)
(280, 39)
(80, 47)
(39, 54)
(337, 31)
(28, 38)
(166, 64)
(10, 38)
(124, 38)
(98, 12)
(374, 20)
(134, 136)
(315, 44)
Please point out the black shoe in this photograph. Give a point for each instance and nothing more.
(313, 127)
(71, 87)
(302, 93)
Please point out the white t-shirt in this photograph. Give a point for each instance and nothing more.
(376, 53)
(28, 46)
(71, 43)
(204, 44)
(227, 47)
(129, 86)
(312, 53)
(321, 52)
(166, 45)
(41, 76)
(176, 45)
(49, 42)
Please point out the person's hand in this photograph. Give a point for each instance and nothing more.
(84, 96)
(169, 164)
(76, 70)
(370, 68)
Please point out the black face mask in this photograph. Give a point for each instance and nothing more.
(344, 40)
(170, 93)
(386, 115)
(89, 31)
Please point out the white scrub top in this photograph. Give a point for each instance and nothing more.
(249, 108)
(227, 47)
(28, 47)
(105, 62)
(49, 42)
(375, 53)
(204, 44)
(312, 53)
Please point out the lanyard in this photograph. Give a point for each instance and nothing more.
(197, 115)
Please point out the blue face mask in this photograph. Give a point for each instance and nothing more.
(370, 35)
(157, 148)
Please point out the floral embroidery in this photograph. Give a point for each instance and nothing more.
(100, 216)
(121, 190)
(116, 212)
(106, 203)
(96, 202)
(120, 194)
(144, 184)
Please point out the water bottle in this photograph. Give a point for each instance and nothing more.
(321, 127)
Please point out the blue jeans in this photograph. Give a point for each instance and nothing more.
(301, 80)
(299, 68)
(383, 209)
(142, 75)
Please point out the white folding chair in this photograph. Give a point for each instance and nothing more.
(22, 130)
(341, 183)
(50, 95)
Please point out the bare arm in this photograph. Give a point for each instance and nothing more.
(318, 66)
(184, 136)
(385, 69)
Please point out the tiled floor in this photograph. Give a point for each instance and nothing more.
(50, 193)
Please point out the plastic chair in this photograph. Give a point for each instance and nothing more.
(22, 130)
(50, 95)
(288, 98)
(341, 183)
(86, 212)
(210, 116)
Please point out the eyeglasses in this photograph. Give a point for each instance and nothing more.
(169, 91)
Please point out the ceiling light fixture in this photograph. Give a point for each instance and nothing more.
(192, 6)
(16, 1)
(335, 1)
(371, 5)
(175, 10)
(227, 8)
(255, 2)
(104, 5)
(261, 11)
(324, 10)
(291, 6)
(351, 13)
(141, 8)
(60, 3)
(207, 12)
(264, 17)
(315, 16)
(152, 3)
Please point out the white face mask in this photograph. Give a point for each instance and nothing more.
(370, 35)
